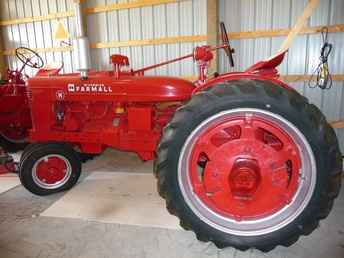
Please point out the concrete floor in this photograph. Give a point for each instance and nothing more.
(24, 234)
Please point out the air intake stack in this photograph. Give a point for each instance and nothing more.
(81, 43)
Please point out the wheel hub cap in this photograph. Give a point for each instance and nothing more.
(244, 178)
(51, 171)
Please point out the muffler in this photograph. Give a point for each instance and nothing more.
(81, 44)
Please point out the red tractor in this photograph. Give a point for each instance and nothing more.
(241, 158)
(15, 114)
(15, 119)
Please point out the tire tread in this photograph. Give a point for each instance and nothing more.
(243, 89)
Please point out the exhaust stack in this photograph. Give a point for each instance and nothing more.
(81, 43)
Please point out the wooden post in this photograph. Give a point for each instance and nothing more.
(3, 62)
(311, 6)
(337, 124)
(3, 58)
(213, 30)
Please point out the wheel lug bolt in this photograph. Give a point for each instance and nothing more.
(237, 218)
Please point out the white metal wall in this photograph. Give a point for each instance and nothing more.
(251, 15)
(36, 34)
(184, 18)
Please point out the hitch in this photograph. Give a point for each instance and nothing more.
(7, 163)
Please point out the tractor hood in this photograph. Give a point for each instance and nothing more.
(103, 86)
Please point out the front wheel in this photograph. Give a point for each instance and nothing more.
(47, 168)
(249, 164)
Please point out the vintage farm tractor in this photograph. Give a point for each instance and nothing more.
(241, 158)
(15, 118)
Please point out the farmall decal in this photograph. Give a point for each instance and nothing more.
(92, 87)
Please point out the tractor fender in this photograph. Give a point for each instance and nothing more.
(239, 76)
(265, 70)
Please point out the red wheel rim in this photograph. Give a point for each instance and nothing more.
(51, 171)
(246, 170)
(251, 168)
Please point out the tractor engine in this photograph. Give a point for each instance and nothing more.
(104, 112)
(84, 116)
(121, 124)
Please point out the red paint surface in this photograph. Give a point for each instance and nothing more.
(15, 118)
(3, 170)
(51, 170)
(103, 111)
(117, 109)
(250, 168)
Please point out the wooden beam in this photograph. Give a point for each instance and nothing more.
(232, 35)
(197, 38)
(337, 124)
(90, 10)
(191, 78)
(50, 16)
(145, 42)
(119, 6)
(11, 52)
(213, 31)
(283, 32)
(3, 60)
(287, 78)
(300, 78)
(301, 21)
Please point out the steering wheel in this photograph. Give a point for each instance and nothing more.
(228, 50)
(29, 57)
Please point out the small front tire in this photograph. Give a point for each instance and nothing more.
(49, 168)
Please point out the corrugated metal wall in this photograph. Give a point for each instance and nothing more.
(184, 18)
(303, 56)
(168, 20)
(36, 34)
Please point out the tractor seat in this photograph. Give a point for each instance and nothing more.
(268, 66)
(119, 60)
(50, 69)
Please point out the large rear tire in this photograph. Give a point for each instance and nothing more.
(249, 164)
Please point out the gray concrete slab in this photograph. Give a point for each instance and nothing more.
(24, 234)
